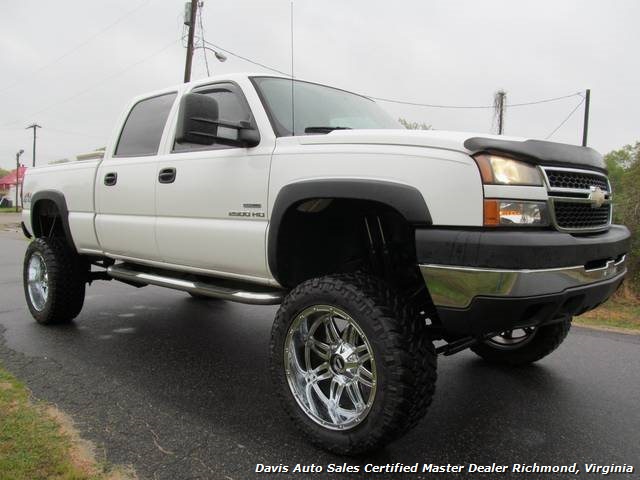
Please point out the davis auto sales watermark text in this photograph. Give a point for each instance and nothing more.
(494, 468)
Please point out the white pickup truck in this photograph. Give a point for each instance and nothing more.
(376, 241)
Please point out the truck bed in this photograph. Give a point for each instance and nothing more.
(75, 180)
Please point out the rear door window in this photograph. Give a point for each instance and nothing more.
(143, 128)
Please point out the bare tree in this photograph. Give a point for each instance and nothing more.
(413, 125)
(499, 107)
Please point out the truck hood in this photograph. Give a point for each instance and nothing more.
(414, 138)
(529, 150)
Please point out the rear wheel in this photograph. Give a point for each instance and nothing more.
(54, 279)
(523, 345)
(352, 370)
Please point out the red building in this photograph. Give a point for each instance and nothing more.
(9, 181)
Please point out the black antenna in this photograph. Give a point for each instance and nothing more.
(293, 114)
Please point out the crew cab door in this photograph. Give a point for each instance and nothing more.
(126, 182)
(211, 201)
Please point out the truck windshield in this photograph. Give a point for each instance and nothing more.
(317, 108)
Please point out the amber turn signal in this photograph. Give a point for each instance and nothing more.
(491, 213)
(515, 213)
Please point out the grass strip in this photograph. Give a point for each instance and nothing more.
(618, 313)
(39, 442)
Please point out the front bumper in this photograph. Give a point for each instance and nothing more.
(510, 279)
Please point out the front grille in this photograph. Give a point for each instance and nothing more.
(574, 194)
(581, 215)
(576, 180)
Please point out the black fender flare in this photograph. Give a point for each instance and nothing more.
(407, 200)
(58, 199)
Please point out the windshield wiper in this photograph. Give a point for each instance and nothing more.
(324, 129)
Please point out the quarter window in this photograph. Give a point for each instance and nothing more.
(143, 128)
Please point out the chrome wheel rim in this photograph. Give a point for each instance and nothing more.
(37, 281)
(330, 367)
(512, 339)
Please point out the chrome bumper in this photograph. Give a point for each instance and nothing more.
(455, 287)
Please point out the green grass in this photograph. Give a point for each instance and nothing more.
(8, 209)
(36, 444)
(617, 313)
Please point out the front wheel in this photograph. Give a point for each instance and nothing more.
(54, 279)
(353, 371)
(523, 346)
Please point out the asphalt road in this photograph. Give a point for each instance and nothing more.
(179, 388)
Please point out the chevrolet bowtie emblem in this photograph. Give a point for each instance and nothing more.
(597, 197)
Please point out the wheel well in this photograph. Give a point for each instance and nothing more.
(322, 236)
(46, 219)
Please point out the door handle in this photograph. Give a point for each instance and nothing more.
(110, 179)
(167, 175)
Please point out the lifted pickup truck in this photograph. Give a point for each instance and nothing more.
(375, 240)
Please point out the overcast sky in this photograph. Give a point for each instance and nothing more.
(438, 52)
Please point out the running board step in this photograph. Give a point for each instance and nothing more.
(198, 284)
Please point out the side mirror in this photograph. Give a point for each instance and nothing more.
(197, 119)
(248, 136)
(198, 123)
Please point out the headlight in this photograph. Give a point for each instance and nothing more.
(505, 213)
(506, 171)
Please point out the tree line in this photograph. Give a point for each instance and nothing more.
(624, 174)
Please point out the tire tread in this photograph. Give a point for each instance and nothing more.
(67, 279)
(408, 354)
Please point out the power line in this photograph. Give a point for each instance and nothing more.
(403, 102)
(104, 80)
(565, 120)
(430, 105)
(536, 102)
(247, 59)
(510, 105)
(76, 48)
(520, 104)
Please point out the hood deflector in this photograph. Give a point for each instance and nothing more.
(540, 152)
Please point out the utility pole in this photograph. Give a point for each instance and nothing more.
(585, 127)
(190, 11)
(499, 104)
(18, 153)
(34, 126)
